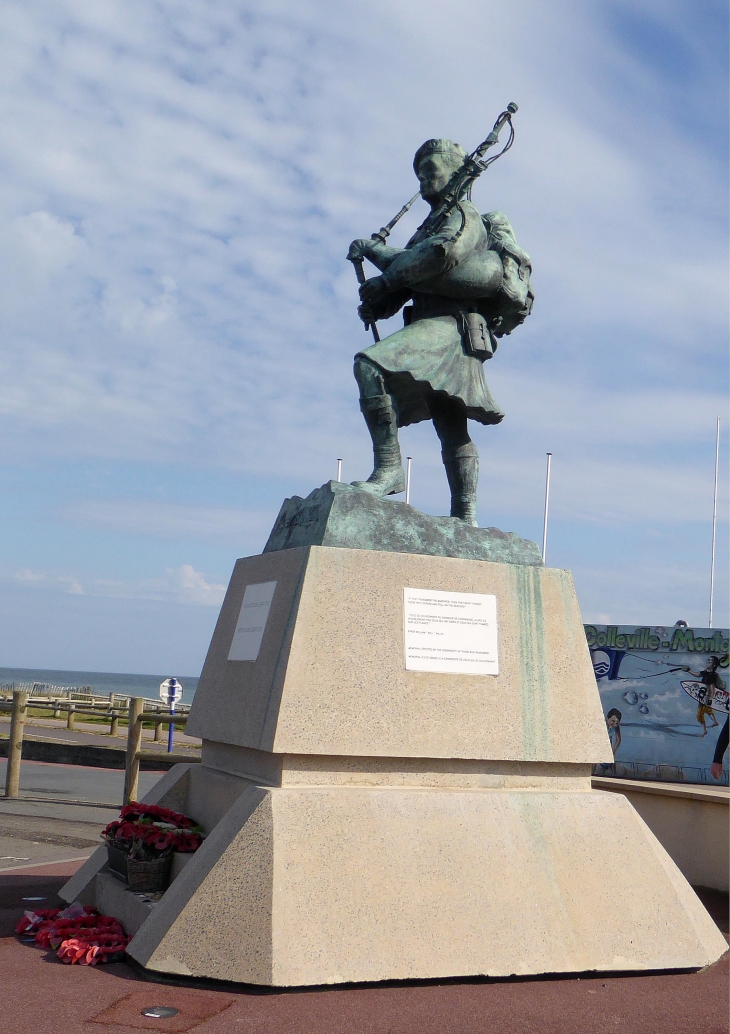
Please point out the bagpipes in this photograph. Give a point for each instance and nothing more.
(457, 189)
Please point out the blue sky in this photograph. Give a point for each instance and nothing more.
(180, 182)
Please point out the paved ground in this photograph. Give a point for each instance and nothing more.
(43, 995)
(60, 811)
(88, 732)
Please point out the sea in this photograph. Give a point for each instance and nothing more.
(102, 682)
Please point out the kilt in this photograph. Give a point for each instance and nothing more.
(428, 357)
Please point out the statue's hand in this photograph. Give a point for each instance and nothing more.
(379, 302)
(373, 291)
(366, 315)
(359, 249)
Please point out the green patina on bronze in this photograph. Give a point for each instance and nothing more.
(340, 515)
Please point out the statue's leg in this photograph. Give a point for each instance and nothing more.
(379, 410)
(459, 454)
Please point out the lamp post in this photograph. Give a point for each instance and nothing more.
(714, 519)
(547, 506)
(171, 690)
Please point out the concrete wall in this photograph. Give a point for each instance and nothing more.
(691, 823)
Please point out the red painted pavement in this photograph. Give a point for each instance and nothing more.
(42, 995)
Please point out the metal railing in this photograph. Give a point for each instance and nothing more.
(41, 694)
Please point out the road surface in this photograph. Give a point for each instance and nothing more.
(60, 811)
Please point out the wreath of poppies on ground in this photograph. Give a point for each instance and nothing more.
(77, 934)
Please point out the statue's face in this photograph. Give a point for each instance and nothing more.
(434, 172)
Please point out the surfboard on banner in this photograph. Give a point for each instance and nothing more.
(698, 691)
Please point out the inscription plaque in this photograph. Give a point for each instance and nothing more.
(251, 622)
(450, 632)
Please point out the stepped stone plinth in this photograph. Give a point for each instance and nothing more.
(370, 821)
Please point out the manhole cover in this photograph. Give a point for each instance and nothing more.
(160, 1012)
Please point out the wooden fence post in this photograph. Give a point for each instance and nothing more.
(15, 743)
(114, 724)
(158, 732)
(134, 742)
(71, 720)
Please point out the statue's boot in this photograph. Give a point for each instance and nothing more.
(387, 477)
(462, 472)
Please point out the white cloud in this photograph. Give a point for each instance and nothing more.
(656, 591)
(47, 579)
(134, 315)
(199, 188)
(178, 585)
(174, 521)
(43, 243)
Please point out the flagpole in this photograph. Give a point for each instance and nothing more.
(408, 479)
(714, 519)
(547, 504)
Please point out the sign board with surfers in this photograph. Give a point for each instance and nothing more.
(665, 697)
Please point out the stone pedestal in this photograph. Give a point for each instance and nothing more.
(367, 822)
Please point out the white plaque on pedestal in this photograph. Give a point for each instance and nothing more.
(450, 632)
(251, 622)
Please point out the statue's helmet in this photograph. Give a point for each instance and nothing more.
(438, 147)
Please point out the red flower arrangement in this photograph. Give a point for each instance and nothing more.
(77, 934)
(148, 831)
(156, 812)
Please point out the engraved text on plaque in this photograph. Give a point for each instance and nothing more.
(452, 632)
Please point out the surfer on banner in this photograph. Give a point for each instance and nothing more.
(711, 681)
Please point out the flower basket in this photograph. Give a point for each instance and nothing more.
(117, 861)
(140, 844)
(148, 876)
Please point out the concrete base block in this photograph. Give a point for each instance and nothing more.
(307, 886)
(330, 676)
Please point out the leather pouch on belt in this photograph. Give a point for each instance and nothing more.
(475, 336)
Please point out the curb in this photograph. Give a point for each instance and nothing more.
(59, 752)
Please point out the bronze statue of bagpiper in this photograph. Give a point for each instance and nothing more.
(464, 283)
